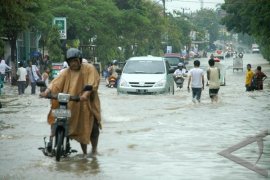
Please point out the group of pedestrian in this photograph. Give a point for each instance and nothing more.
(254, 80)
(29, 76)
(196, 80)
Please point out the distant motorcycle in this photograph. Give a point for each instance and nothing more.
(179, 80)
(112, 82)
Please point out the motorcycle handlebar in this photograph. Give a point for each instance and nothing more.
(55, 96)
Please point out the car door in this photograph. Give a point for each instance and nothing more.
(169, 78)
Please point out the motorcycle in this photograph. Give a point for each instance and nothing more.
(112, 82)
(59, 145)
(179, 80)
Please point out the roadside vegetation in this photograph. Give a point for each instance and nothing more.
(119, 29)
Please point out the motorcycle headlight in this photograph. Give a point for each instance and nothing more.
(160, 83)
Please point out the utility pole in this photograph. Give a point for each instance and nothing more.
(201, 3)
(183, 10)
(164, 7)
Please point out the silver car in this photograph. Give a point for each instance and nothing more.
(146, 75)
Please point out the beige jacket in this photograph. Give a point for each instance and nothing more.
(82, 113)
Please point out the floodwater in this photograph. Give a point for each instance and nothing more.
(146, 136)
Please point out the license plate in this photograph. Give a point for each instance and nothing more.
(61, 113)
(141, 91)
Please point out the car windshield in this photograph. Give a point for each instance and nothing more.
(173, 61)
(144, 67)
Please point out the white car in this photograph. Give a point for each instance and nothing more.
(255, 48)
(146, 75)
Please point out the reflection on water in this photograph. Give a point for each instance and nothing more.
(78, 165)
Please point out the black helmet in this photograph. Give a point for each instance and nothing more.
(73, 53)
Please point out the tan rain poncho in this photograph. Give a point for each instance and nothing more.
(82, 113)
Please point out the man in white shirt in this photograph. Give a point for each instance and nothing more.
(196, 78)
(21, 82)
(179, 75)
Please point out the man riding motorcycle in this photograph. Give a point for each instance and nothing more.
(85, 118)
(179, 75)
(113, 78)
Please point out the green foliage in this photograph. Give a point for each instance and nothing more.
(15, 18)
(206, 21)
(54, 45)
(107, 29)
(251, 17)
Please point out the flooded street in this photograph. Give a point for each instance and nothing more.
(146, 136)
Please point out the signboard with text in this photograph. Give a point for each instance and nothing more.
(61, 23)
(169, 49)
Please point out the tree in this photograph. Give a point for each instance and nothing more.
(251, 17)
(206, 21)
(15, 18)
(179, 28)
(54, 45)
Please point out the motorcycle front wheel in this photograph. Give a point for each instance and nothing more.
(59, 144)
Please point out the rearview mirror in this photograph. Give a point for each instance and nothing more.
(171, 70)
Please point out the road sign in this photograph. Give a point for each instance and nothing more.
(169, 49)
(61, 23)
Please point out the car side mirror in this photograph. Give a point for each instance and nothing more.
(171, 70)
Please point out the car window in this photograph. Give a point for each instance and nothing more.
(173, 61)
(144, 67)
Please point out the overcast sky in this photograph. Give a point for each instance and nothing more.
(189, 5)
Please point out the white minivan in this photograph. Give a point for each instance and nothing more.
(146, 75)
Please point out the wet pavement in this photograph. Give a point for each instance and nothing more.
(146, 136)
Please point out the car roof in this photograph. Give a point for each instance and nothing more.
(146, 58)
(172, 55)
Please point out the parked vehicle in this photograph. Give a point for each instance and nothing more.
(255, 48)
(174, 59)
(56, 68)
(146, 75)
